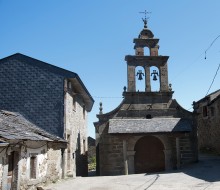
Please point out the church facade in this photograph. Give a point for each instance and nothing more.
(149, 131)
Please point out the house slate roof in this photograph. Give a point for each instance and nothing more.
(56, 70)
(13, 126)
(210, 97)
(154, 125)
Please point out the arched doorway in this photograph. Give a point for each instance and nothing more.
(149, 155)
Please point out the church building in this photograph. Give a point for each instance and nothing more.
(149, 131)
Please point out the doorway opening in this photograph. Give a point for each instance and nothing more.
(149, 155)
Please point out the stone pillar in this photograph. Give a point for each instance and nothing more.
(63, 162)
(130, 155)
(131, 79)
(154, 51)
(147, 79)
(139, 51)
(178, 152)
(164, 87)
(4, 177)
(125, 156)
(168, 163)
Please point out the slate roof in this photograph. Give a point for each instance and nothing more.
(14, 126)
(154, 125)
(211, 97)
(56, 70)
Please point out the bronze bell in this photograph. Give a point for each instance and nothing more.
(155, 74)
(154, 77)
(140, 74)
(140, 77)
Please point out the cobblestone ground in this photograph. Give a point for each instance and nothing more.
(203, 175)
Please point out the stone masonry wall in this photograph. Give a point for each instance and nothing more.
(48, 165)
(209, 128)
(33, 92)
(76, 132)
(54, 165)
(110, 153)
(2, 166)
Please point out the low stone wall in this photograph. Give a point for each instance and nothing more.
(46, 167)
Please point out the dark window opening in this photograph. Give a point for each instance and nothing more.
(148, 116)
(69, 156)
(212, 111)
(74, 102)
(33, 165)
(205, 111)
(84, 146)
(10, 163)
(84, 112)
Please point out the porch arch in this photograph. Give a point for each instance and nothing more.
(149, 155)
(131, 142)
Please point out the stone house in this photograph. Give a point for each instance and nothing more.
(29, 156)
(207, 111)
(149, 131)
(53, 99)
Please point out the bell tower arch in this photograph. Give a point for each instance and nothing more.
(146, 41)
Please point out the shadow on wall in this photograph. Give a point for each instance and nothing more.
(81, 160)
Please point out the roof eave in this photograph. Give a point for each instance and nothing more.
(82, 90)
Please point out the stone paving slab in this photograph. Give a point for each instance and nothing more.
(203, 175)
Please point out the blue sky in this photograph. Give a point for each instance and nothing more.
(92, 38)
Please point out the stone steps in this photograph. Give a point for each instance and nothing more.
(186, 152)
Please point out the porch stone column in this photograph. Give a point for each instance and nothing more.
(131, 79)
(147, 79)
(125, 157)
(178, 152)
(130, 155)
(168, 163)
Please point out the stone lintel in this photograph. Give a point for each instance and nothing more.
(145, 42)
(146, 60)
(148, 94)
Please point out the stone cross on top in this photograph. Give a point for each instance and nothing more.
(145, 18)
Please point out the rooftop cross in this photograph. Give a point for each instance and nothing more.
(145, 18)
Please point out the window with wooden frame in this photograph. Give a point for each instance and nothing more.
(33, 167)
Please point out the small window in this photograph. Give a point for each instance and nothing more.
(84, 112)
(148, 116)
(84, 146)
(69, 85)
(74, 102)
(205, 111)
(10, 163)
(33, 165)
(212, 111)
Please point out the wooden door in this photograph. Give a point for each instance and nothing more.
(13, 159)
(149, 155)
